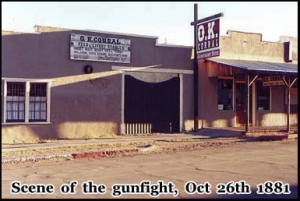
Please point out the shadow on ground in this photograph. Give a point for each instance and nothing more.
(265, 133)
(217, 132)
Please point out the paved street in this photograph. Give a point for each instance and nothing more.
(239, 167)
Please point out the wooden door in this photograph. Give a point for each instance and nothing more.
(240, 104)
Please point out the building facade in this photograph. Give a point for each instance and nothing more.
(59, 83)
(222, 81)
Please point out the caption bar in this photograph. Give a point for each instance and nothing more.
(152, 189)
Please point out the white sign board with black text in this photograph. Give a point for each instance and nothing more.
(96, 48)
(208, 39)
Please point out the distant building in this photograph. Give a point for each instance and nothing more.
(62, 83)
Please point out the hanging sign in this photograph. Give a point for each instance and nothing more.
(208, 39)
(272, 80)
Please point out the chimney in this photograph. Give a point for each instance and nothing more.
(287, 46)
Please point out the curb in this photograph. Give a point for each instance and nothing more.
(108, 153)
(96, 154)
(117, 152)
(37, 158)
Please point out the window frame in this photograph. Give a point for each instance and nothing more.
(27, 99)
(38, 102)
(17, 114)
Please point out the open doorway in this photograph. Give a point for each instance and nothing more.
(240, 105)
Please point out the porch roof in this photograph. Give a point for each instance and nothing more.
(259, 66)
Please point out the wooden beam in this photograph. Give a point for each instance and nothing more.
(206, 19)
(256, 76)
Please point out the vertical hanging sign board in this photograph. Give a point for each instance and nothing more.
(208, 36)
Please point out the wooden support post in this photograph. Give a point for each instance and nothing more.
(247, 77)
(288, 105)
(196, 121)
(288, 84)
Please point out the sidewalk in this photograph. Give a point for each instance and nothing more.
(205, 133)
(70, 149)
(119, 139)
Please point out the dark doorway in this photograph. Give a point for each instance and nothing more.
(241, 104)
(154, 104)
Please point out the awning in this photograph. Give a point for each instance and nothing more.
(261, 66)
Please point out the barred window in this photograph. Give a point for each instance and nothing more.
(26, 101)
(38, 102)
(15, 102)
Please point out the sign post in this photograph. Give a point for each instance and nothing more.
(206, 45)
(196, 118)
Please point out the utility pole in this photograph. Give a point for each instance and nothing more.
(196, 121)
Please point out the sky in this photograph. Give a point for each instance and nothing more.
(169, 21)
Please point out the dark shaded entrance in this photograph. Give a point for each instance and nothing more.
(241, 104)
(151, 107)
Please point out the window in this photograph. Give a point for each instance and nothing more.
(26, 101)
(263, 96)
(38, 102)
(15, 102)
(225, 94)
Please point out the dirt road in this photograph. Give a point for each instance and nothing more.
(238, 170)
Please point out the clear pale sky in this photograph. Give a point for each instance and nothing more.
(169, 21)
